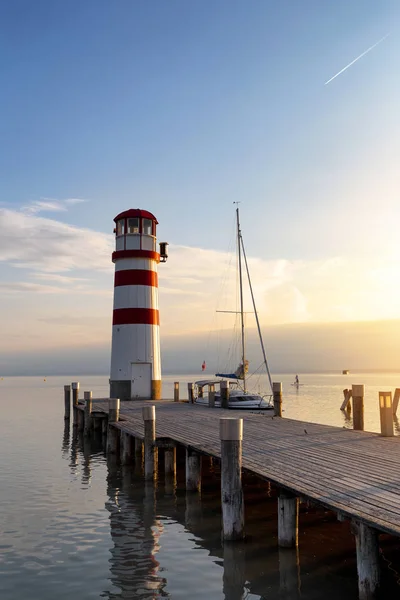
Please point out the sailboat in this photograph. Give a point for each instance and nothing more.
(239, 395)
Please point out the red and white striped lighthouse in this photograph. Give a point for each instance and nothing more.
(135, 352)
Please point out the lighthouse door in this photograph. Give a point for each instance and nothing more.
(141, 380)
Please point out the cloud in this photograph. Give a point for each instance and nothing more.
(43, 206)
(47, 245)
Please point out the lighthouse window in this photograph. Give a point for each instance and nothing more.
(133, 225)
(121, 227)
(147, 226)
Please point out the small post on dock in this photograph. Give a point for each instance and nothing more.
(224, 390)
(231, 436)
(193, 470)
(67, 402)
(386, 413)
(357, 393)
(367, 560)
(88, 411)
(396, 399)
(112, 432)
(150, 450)
(190, 392)
(126, 453)
(75, 397)
(277, 394)
(288, 519)
(211, 396)
(176, 391)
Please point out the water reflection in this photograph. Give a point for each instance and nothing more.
(65, 440)
(289, 573)
(234, 578)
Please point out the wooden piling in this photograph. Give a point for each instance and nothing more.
(288, 519)
(190, 392)
(126, 450)
(170, 461)
(67, 402)
(386, 414)
(103, 424)
(277, 395)
(357, 393)
(150, 450)
(113, 410)
(88, 411)
(211, 396)
(346, 399)
(368, 568)
(193, 470)
(396, 399)
(224, 391)
(176, 391)
(113, 432)
(231, 436)
(81, 419)
(75, 397)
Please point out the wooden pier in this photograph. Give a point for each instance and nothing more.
(354, 473)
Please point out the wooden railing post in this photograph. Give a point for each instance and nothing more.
(358, 406)
(231, 436)
(386, 414)
(277, 394)
(75, 397)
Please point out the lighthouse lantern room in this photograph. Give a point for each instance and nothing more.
(135, 351)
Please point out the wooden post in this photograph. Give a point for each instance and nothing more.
(112, 432)
(224, 391)
(367, 560)
(88, 411)
(347, 397)
(67, 402)
(396, 399)
(190, 392)
(138, 449)
(104, 426)
(150, 450)
(288, 519)
(386, 413)
(126, 453)
(211, 396)
(176, 391)
(277, 394)
(75, 396)
(231, 436)
(193, 470)
(81, 419)
(170, 461)
(358, 406)
(113, 410)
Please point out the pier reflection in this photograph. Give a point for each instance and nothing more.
(145, 564)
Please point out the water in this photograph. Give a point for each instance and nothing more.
(76, 525)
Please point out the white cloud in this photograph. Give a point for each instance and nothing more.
(45, 205)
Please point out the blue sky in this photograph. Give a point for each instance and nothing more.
(184, 107)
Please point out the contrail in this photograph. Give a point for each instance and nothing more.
(356, 59)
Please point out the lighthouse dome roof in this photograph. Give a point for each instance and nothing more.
(136, 212)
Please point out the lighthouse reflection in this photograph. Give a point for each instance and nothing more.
(135, 532)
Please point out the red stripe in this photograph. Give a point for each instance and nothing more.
(136, 277)
(135, 254)
(135, 316)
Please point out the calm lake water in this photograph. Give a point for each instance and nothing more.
(74, 525)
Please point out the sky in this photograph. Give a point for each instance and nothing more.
(182, 108)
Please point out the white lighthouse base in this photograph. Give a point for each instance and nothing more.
(123, 390)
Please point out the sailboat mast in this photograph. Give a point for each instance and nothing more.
(239, 235)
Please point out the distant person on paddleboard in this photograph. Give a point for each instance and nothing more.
(296, 380)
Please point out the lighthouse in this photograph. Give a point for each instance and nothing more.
(135, 350)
